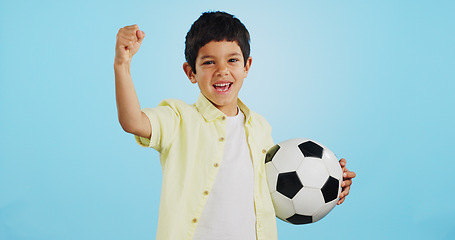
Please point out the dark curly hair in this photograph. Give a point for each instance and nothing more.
(215, 26)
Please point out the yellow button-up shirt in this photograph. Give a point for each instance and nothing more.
(190, 140)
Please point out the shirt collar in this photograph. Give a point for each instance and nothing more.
(210, 112)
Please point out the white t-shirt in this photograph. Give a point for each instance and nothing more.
(229, 212)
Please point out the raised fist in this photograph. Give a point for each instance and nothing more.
(129, 40)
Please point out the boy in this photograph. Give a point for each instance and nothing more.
(212, 152)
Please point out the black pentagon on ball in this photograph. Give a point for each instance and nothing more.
(300, 219)
(288, 184)
(271, 153)
(311, 149)
(330, 189)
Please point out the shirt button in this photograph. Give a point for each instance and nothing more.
(221, 139)
(216, 165)
(223, 118)
(206, 193)
(194, 220)
(264, 151)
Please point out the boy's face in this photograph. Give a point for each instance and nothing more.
(220, 70)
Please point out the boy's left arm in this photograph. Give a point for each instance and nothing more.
(347, 181)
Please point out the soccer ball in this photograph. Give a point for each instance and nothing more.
(304, 180)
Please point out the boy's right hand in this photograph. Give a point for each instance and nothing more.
(129, 40)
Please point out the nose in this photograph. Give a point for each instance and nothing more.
(223, 69)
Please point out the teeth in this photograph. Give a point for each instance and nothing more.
(222, 85)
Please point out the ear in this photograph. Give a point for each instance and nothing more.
(189, 72)
(248, 65)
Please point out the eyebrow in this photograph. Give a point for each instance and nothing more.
(230, 55)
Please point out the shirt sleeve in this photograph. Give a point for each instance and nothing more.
(164, 120)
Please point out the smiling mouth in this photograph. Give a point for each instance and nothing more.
(222, 87)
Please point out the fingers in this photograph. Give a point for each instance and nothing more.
(348, 174)
(343, 162)
(140, 35)
(343, 195)
(128, 36)
(347, 181)
(340, 201)
(129, 40)
(346, 185)
(345, 192)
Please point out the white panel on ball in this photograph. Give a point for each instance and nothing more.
(286, 208)
(292, 156)
(272, 175)
(324, 210)
(332, 164)
(308, 201)
(312, 172)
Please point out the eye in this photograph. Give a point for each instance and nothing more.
(233, 60)
(208, 62)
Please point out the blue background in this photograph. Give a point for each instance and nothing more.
(372, 80)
